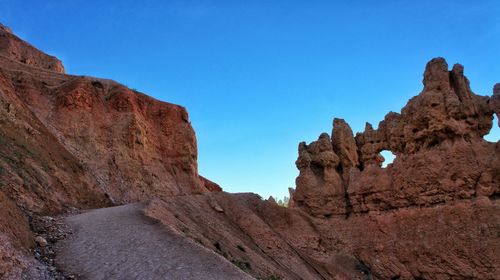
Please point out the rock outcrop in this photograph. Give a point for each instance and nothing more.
(18, 50)
(437, 140)
(495, 102)
(444, 171)
(209, 185)
(81, 142)
(130, 146)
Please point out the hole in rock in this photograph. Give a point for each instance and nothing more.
(494, 134)
(388, 157)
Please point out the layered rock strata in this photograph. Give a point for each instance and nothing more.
(80, 142)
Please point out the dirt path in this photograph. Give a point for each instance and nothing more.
(121, 243)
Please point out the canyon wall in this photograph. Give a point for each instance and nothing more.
(81, 142)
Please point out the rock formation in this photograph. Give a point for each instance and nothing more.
(437, 140)
(72, 142)
(441, 160)
(18, 50)
(209, 185)
(81, 142)
(431, 214)
(495, 102)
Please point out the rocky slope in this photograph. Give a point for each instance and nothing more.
(265, 240)
(132, 246)
(455, 241)
(81, 142)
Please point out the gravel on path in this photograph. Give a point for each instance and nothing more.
(121, 243)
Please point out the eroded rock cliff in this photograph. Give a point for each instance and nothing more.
(81, 142)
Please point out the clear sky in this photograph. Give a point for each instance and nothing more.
(258, 77)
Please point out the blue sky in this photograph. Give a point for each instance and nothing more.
(258, 77)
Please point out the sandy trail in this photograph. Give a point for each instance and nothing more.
(121, 243)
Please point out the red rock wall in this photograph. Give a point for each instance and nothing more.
(135, 146)
(79, 142)
(18, 50)
(433, 212)
(127, 145)
(440, 153)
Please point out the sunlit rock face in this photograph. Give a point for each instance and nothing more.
(81, 142)
(129, 146)
(18, 50)
(440, 153)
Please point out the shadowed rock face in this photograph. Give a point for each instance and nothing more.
(265, 240)
(495, 102)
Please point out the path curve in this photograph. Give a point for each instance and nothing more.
(121, 243)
